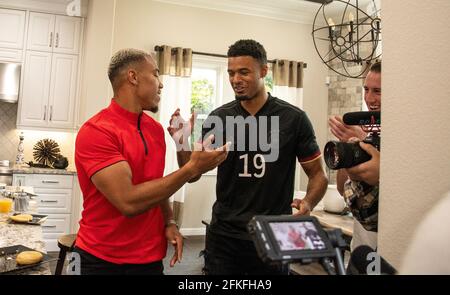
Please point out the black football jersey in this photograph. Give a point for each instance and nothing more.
(257, 178)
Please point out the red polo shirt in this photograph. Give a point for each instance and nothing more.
(109, 137)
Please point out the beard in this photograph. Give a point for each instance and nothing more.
(151, 109)
(243, 98)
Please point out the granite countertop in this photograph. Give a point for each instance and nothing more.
(28, 236)
(28, 170)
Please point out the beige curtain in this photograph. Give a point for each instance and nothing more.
(175, 61)
(288, 85)
(175, 66)
(288, 73)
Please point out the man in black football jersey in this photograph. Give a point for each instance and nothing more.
(268, 136)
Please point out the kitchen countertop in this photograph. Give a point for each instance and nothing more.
(27, 170)
(27, 235)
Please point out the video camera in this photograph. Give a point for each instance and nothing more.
(286, 239)
(340, 155)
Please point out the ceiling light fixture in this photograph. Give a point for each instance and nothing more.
(353, 35)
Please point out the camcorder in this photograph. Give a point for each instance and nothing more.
(340, 155)
(288, 239)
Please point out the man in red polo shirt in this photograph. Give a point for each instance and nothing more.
(119, 155)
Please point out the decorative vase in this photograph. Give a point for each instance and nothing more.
(333, 202)
(20, 158)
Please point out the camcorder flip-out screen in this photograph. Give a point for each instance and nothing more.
(290, 238)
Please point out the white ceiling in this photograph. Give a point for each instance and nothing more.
(298, 11)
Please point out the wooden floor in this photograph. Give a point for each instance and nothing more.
(192, 263)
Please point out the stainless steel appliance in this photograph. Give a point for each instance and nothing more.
(6, 173)
(9, 82)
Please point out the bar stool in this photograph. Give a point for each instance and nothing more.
(65, 244)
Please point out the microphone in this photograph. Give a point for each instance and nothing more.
(364, 260)
(362, 118)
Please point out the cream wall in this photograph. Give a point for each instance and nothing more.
(415, 164)
(96, 90)
(144, 24)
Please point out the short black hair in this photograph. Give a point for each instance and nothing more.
(376, 67)
(248, 47)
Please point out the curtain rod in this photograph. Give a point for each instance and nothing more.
(159, 48)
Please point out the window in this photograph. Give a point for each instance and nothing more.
(211, 88)
(268, 81)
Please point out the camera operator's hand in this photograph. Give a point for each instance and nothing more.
(369, 172)
(303, 207)
(344, 132)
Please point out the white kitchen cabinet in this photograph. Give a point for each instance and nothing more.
(54, 227)
(51, 201)
(12, 28)
(54, 198)
(41, 32)
(54, 33)
(47, 181)
(49, 90)
(67, 38)
(63, 87)
(11, 55)
(35, 90)
(50, 73)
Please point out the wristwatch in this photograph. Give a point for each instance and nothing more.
(171, 221)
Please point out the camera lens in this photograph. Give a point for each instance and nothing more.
(331, 155)
(340, 155)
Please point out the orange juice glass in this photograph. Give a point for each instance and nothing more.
(5, 205)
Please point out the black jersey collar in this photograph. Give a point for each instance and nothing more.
(265, 106)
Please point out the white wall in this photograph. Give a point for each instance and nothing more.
(415, 163)
(144, 24)
(96, 90)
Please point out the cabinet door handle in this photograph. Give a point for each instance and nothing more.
(51, 112)
(47, 202)
(50, 181)
(57, 40)
(51, 40)
(48, 226)
(45, 113)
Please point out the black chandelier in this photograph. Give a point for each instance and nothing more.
(354, 42)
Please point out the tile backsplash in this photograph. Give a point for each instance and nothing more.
(344, 95)
(9, 137)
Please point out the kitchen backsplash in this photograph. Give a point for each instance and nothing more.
(9, 137)
(8, 132)
(344, 95)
